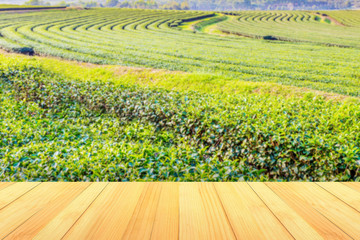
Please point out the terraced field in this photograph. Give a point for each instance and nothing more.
(347, 18)
(150, 38)
(336, 28)
(236, 108)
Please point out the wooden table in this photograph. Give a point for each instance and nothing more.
(179, 211)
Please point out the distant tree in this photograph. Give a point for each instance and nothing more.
(172, 6)
(347, 4)
(140, 4)
(34, 2)
(152, 4)
(111, 3)
(90, 4)
(63, 3)
(217, 5)
(185, 5)
(124, 4)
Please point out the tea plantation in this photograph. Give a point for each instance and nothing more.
(174, 101)
(332, 28)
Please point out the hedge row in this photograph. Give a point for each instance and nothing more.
(277, 138)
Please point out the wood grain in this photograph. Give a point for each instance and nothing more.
(4, 185)
(293, 222)
(36, 222)
(141, 223)
(249, 216)
(21, 210)
(109, 215)
(13, 192)
(331, 207)
(179, 211)
(347, 195)
(201, 213)
(166, 222)
(305, 206)
(60, 225)
(353, 185)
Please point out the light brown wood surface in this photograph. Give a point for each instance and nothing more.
(179, 211)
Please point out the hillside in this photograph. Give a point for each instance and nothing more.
(155, 39)
(155, 95)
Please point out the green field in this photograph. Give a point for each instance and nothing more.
(337, 28)
(189, 101)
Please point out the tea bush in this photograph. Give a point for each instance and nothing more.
(64, 129)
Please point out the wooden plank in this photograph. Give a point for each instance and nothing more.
(5, 185)
(36, 222)
(166, 222)
(141, 223)
(108, 216)
(305, 204)
(59, 226)
(250, 217)
(293, 222)
(353, 185)
(19, 211)
(14, 191)
(179, 210)
(201, 213)
(345, 194)
(331, 207)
